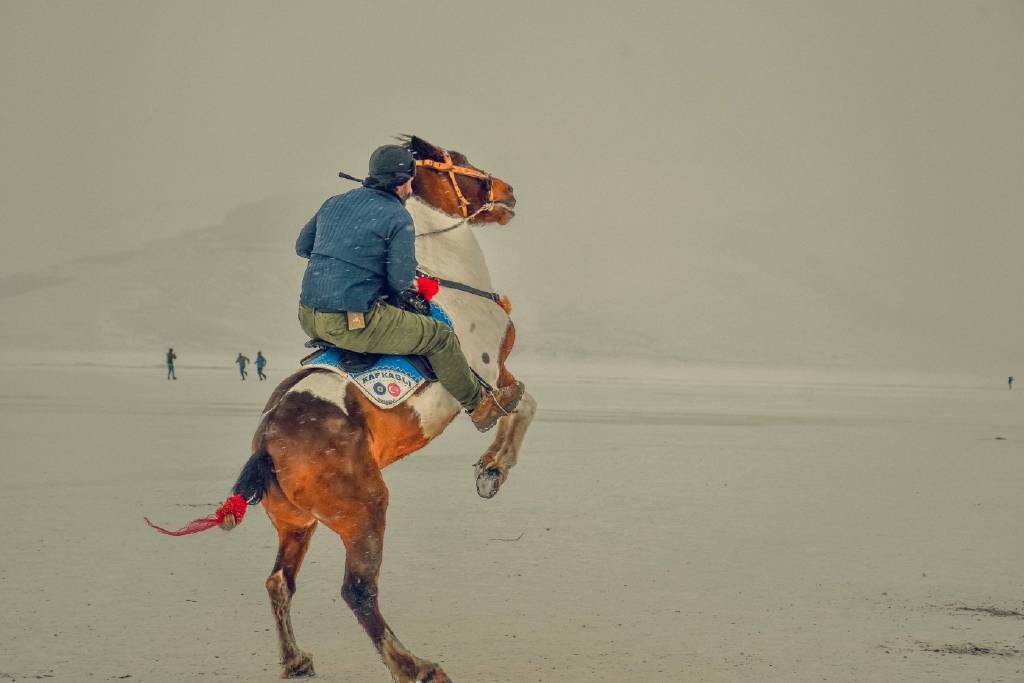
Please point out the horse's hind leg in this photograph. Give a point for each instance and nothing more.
(360, 523)
(294, 529)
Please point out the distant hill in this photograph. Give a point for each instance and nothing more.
(230, 286)
(233, 287)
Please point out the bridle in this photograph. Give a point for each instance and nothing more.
(449, 167)
(452, 169)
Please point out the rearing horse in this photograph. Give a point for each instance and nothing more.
(321, 444)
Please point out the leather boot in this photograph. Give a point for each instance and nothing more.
(496, 405)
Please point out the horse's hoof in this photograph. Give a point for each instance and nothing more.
(488, 477)
(435, 675)
(488, 482)
(299, 666)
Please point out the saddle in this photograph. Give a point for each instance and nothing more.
(353, 362)
(386, 380)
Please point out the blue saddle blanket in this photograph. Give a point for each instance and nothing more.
(389, 381)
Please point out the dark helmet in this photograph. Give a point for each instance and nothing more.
(390, 166)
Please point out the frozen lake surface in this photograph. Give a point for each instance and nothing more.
(699, 524)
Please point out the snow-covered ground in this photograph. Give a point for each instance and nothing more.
(810, 211)
(695, 523)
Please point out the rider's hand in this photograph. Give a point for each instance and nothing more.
(414, 301)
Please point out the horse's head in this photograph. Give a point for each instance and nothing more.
(448, 182)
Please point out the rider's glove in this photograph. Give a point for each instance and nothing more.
(414, 301)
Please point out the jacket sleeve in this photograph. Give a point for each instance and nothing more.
(402, 258)
(304, 245)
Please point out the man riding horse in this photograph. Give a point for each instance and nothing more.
(361, 248)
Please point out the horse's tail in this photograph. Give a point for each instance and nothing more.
(255, 478)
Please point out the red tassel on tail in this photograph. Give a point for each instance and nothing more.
(235, 506)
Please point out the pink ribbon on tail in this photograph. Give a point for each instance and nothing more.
(235, 505)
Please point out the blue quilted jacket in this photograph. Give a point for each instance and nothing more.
(360, 246)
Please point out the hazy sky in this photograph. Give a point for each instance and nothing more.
(877, 143)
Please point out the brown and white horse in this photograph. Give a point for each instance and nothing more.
(320, 444)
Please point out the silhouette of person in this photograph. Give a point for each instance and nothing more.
(171, 356)
(242, 362)
(1009, 381)
(261, 362)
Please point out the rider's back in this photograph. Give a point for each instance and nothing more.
(359, 244)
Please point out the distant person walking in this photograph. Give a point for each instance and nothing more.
(261, 362)
(242, 362)
(1009, 381)
(171, 356)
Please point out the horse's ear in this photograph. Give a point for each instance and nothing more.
(421, 149)
(459, 158)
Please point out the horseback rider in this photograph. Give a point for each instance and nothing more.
(361, 248)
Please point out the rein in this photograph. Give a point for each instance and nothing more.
(443, 230)
(452, 284)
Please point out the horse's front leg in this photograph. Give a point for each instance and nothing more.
(492, 468)
(501, 456)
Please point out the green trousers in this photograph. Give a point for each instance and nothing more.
(394, 331)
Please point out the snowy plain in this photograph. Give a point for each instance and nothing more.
(679, 523)
(809, 211)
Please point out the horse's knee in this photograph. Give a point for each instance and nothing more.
(527, 407)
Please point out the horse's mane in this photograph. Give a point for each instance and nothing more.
(421, 149)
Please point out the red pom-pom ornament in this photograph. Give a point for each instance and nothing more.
(426, 287)
(235, 506)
